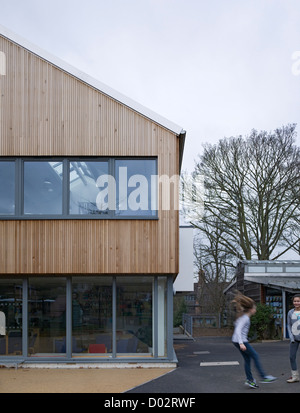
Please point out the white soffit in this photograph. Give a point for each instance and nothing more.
(185, 278)
(148, 113)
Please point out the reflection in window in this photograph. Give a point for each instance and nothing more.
(47, 316)
(92, 315)
(42, 188)
(136, 189)
(134, 315)
(83, 189)
(11, 307)
(99, 324)
(7, 188)
(66, 188)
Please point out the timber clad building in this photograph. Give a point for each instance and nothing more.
(88, 253)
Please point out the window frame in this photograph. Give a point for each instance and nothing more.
(21, 177)
(114, 173)
(66, 215)
(13, 160)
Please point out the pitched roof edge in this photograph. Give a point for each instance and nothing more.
(61, 64)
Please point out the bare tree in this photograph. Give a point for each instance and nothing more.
(251, 200)
(215, 268)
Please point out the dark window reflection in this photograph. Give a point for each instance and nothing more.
(47, 316)
(92, 315)
(134, 315)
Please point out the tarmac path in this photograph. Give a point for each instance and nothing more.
(191, 377)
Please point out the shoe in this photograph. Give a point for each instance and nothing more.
(268, 379)
(252, 384)
(294, 378)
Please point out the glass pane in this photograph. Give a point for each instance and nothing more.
(92, 315)
(7, 185)
(136, 187)
(292, 269)
(274, 268)
(256, 268)
(42, 188)
(84, 188)
(134, 315)
(11, 317)
(47, 316)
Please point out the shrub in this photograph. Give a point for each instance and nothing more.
(179, 309)
(262, 322)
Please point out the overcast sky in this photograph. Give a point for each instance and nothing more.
(218, 68)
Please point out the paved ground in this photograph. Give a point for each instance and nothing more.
(104, 380)
(190, 377)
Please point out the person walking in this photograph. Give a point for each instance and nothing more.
(246, 308)
(293, 326)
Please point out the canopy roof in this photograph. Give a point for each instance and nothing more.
(284, 274)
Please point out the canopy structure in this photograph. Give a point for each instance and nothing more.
(284, 274)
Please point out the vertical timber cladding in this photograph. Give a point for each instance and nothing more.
(248, 288)
(47, 112)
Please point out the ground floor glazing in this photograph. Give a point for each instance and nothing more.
(87, 318)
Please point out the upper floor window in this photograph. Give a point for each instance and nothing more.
(83, 190)
(7, 188)
(136, 188)
(71, 188)
(42, 188)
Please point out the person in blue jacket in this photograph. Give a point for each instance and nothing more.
(293, 326)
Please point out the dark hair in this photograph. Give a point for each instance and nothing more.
(296, 296)
(243, 303)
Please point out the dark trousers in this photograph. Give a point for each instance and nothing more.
(249, 354)
(293, 353)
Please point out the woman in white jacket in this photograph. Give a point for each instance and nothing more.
(293, 326)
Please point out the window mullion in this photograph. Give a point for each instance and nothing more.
(170, 317)
(111, 172)
(19, 188)
(25, 318)
(155, 318)
(69, 318)
(114, 317)
(66, 188)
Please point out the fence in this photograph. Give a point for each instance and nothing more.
(189, 321)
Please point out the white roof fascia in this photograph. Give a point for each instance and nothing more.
(148, 113)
